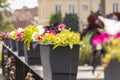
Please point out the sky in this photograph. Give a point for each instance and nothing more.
(18, 4)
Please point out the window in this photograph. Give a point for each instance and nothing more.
(71, 8)
(115, 7)
(84, 7)
(58, 7)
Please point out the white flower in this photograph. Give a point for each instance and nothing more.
(111, 26)
(33, 36)
(20, 30)
(12, 33)
(41, 29)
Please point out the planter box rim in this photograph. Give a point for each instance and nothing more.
(54, 44)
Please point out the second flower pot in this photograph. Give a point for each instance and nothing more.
(32, 56)
(60, 63)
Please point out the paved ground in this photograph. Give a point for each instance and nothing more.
(85, 73)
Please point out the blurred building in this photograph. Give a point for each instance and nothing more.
(23, 17)
(81, 7)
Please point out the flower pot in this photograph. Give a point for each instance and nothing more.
(5, 41)
(13, 45)
(112, 72)
(20, 47)
(32, 56)
(8, 42)
(60, 63)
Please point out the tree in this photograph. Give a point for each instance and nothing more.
(71, 21)
(56, 17)
(5, 25)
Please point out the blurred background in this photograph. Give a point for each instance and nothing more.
(74, 13)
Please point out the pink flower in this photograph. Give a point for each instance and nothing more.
(19, 35)
(51, 32)
(6, 34)
(117, 35)
(39, 38)
(61, 26)
(100, 39)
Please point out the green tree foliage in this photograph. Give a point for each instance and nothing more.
(5, 25)
(56, 17)
(71, 21)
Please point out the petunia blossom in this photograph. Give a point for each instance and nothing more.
(61, 26)
(100, 39)
(19, 35)
(6, 34)
(39, 38)
(111, 26)
(51, 32)
(117, 35)
(41, 29)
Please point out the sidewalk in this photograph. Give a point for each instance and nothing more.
(85, 73)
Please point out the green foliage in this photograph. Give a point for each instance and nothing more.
(64, 38)
(85, 51)
(29, 30)
(56, 17)
(71, 21)
(5, 25)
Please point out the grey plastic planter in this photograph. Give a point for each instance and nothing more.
(20, 47)
(8, 42)
(5, 41)
(13, 45)
(32, 56)
(112, 72)
(60, 63)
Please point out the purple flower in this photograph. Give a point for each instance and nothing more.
(100, 39)
(51, 32)
(61, 26)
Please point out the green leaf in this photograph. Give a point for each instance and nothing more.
(55, 46)
(71, 46)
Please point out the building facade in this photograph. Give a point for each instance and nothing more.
(23, 17)
(81, 7)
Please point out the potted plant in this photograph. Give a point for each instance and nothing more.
(59, 54)
(31, 47)
(4, 36)
(19, 42)
(109, 40)
(12, 37)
